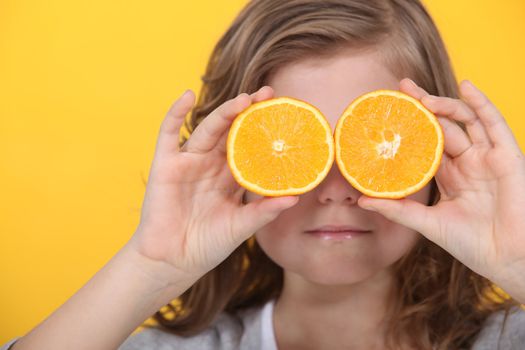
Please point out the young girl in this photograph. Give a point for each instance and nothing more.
(248, 272)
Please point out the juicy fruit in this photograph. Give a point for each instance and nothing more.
(388, 145)
(281, 146)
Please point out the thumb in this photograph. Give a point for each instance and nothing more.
(406, 212)
(254, 215)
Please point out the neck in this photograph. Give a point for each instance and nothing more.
(314, 316)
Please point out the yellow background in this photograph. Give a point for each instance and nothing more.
(83, 89)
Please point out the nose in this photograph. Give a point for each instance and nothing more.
(336, 189)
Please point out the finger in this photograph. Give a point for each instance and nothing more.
(441, 176)
(406, 212)
(262, 94)
(168, 140)
(254, 215)
(409, 87)
(497, 128)
(445, 177)
(209, 131)
(456, 141)
(456, 109)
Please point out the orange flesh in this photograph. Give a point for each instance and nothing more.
(280, 147)
(384, 148)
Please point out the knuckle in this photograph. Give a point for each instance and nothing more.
(232, 103)
(457, 109)
(243, 98)
(469, 117)
(452, 104)
(207, 131)
(422, 92)
(483, 102)
(241, 102)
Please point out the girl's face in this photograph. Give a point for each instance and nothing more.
(330, 85)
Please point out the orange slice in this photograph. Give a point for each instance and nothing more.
(281, 146)
(388, 145)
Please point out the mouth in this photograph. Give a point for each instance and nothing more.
(337, 232)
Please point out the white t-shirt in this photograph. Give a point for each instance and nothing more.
(268, 341)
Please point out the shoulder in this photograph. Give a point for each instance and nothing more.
(497, 334)
(226, 332)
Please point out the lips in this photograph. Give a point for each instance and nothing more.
(337, 232)
(338, 229)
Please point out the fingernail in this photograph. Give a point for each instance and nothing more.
(412, 82)
(470, 83)
(184, 93)
(256, 92)
(366, 207)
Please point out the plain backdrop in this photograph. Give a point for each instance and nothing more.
(84, 86)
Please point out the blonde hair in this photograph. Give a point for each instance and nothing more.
(438, 302)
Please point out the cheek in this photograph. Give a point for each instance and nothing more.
(395, 240)
(280, 238)
(274, 237)
(423, 195)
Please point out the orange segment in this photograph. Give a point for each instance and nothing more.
(282, 146)
(388, 145)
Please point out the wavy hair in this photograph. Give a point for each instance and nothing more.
(438, 303)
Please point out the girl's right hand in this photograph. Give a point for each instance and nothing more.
(193, 216)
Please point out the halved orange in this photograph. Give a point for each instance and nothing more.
(281, 146)
(388, 145)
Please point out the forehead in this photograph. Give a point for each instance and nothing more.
(330, 84)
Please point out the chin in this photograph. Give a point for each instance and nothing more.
(346, 274)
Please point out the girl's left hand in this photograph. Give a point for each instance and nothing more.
(480, 218)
